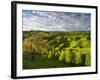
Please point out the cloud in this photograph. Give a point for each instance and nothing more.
(56, 21)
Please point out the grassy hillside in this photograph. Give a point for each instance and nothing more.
(56, 49)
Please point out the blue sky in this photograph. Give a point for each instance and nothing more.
(56, 21)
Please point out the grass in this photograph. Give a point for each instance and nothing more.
(43, 62)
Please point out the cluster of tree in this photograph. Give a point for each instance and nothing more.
(68, 47)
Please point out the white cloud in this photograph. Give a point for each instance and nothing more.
(55, 21)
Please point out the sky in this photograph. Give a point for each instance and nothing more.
(55, 21)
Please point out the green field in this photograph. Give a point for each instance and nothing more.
(43, 49)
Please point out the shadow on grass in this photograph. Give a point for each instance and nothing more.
(43, 62)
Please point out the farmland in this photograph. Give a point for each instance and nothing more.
(44, 49)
